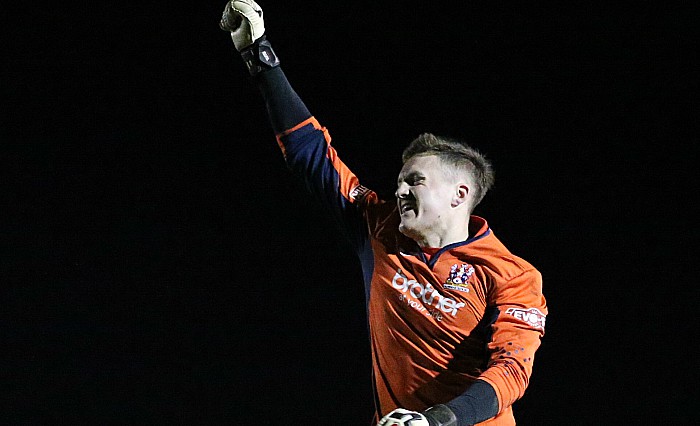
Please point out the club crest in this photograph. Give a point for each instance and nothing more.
(459, 275)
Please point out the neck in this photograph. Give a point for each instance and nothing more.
(448, 235)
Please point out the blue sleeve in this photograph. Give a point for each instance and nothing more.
(310, 156)
(477, 404)
(284, 107)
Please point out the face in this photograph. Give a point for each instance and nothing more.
(425, 197)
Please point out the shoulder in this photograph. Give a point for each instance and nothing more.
(382, 218)
(496, 260)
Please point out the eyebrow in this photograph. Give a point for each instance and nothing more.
(410, 175)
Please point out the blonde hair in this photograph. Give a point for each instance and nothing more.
(459, 156)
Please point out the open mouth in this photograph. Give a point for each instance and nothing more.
(406, 207)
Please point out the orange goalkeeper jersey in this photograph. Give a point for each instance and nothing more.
(441, 318)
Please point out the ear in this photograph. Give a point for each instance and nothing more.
(461, 194)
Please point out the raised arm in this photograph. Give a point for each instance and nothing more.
(303, 141)
(244, 20)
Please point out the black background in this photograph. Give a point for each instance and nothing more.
(160, 266)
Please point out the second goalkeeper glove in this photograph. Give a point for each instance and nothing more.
(402, 417)
(438, 415)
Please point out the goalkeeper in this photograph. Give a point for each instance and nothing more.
(454, 317)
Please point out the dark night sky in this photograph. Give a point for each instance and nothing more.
(160, 265)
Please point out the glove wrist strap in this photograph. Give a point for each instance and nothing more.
(440, 415)
(259, 56)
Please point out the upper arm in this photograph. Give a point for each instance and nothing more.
(308, 152)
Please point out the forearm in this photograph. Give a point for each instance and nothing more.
(477, 404)
(244, 20)
(285, 108)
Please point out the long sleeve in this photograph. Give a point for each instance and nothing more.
(516, 335)
(306, 146)
(284, 107)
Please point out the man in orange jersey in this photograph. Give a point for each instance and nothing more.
(455, 318)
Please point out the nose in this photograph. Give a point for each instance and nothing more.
(402, 191)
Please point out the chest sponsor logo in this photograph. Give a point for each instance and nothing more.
(459, 275)
(426, 294)
(532, 316)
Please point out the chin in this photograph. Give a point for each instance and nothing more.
(407, 231)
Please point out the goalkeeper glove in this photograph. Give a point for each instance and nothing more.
(438, 415)
(401, 417)
(244, 20)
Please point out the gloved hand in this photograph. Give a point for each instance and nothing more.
(244, 19)
(402, 417)
(437, 415)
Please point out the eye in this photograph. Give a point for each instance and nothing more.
(415, 180)
(412, 179)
